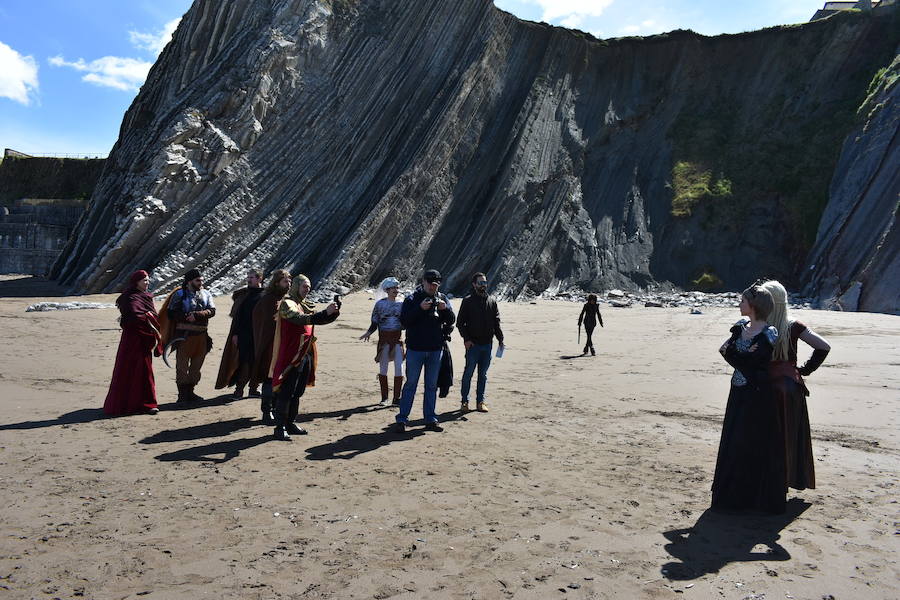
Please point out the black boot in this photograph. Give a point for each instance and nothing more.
(193, 397)
(185, 393)
(281, 418)
(265, 405)
(290, 426)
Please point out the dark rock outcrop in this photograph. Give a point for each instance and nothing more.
(855, 264)
(350, 140)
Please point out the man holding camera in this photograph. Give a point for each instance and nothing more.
(425, 315)
(478, 324)
(294, 353)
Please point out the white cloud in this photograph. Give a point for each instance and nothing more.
(154, 42)
(125, 74)
(572, 21)
(18, 75)
(556, 9)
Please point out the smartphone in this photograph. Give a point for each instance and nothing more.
(337, 300)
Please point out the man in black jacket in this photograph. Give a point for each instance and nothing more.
(478, 323)
(425, 315)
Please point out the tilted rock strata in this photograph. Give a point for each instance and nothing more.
(351, 140)
(855, 264)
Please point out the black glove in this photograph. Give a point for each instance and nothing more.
(814, 362)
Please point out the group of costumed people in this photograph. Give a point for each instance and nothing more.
(766, 445)
(271, 345)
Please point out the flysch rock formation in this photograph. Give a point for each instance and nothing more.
(353, 139)
(855, 264)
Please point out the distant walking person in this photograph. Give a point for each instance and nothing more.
(790, 389)
(187, 312)
(264, 337)
(133, 388)
(750, 471)
(425, 315)
(386, 319)
(295, 357)
(590, 316)
(238, 354)
(478, 323)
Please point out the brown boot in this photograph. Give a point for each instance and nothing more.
(398, 388)
(382, 381)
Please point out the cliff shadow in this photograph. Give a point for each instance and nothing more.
(31, 286)
(717, 539)
(83, 415)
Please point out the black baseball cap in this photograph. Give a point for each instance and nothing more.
(432, 276)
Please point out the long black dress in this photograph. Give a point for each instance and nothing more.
(750, 470)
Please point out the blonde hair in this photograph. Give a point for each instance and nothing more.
(779, 318)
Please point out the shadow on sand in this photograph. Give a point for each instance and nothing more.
(351, 446)
(210, 452)
(717, 539)
(83, 415)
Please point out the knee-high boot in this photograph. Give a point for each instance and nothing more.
(383, 384)
(398, 388)
(282, 410)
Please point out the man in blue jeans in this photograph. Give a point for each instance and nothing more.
(478, 323)
(425, 315)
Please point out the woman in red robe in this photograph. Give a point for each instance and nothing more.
(133, 388)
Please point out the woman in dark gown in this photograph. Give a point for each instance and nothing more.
(790, 389)
(133, 388)
(750, 464)
(590, 315)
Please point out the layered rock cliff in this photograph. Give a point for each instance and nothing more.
(354, 139)
(855, 263)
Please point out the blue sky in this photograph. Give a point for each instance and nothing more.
(70, 68)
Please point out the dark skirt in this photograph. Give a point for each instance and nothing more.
(790, 396)
(750, 473)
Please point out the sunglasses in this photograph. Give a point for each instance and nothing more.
(481, 282)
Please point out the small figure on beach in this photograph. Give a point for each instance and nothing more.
(238, 354)
(427, 317)
(294, 353)
(590, 316)
(789, 388)
(478, 323)
(750, 471)
(386, 319)
(132, 389)
(184, 320)
(264, 313)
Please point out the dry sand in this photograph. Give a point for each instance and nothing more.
(589, 478)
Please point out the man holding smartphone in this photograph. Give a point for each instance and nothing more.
(424, 315)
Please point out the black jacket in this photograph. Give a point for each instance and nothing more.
(425, 329)
(479, 319)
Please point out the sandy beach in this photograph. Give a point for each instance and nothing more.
(589, 478)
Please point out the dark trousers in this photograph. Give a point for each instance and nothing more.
(287, 402)
(589, 330)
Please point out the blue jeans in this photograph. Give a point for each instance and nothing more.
(478, 355)
(415, 360)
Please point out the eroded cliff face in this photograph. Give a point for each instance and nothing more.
(855, 264)
(352, 140)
